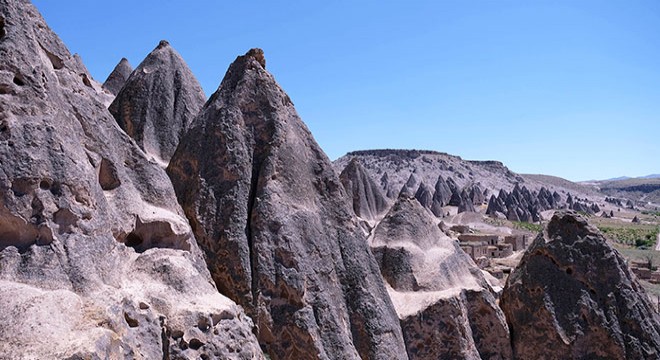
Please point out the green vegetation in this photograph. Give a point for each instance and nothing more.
(652, 213)
(640, 236)
(527, 226)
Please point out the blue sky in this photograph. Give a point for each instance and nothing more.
(566, 88)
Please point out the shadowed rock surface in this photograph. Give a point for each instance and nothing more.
(96, 257)
(368, 200)
(441, 197)
(279, 236)
(118, 77)
(573, 296)
(158, 102)
(424, 195)
(444, 304)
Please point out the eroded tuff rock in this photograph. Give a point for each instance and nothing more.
(368, 200)
(441, 197)
(118, 77)
(158, 102)
(410, 187)
(96, 257)
(279, 236)
(444, 304)
(424, 195)
(574, 297)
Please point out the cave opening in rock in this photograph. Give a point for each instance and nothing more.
(133, 240)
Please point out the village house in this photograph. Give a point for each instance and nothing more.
(519, 242)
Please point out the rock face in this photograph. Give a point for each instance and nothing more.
(368, 200)
(444, 304)
(279, 236)
(573, 296)
(118, 77)
(158, 102)
(96, 257)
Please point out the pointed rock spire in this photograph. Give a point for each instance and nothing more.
(368, 200)
(410, 187)
(118, 77)
(424, 195)
(573, 296)
(158, 102)
(279, 236)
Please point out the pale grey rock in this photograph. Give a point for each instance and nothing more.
(118, 77)
(444, 303)
(279, 234)
(96, 257)
(573, 297)
(158, 102)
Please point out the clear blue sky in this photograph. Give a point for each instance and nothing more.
(568, 88)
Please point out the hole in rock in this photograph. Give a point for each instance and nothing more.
(18, 80)
(155, 234)
(44, 184)
(108, 176)
(133, 240)
(86, 80)
(195, 344)
(130, 321)
(569, 271)
(15, 231)
(203, 324)
(2, 27)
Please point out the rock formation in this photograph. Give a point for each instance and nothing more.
(409, 189)
(96, 257)
(573, 297)
(368, 201)
(280, 238)
(441, 197)
(118, 77)
(444, 303)
(158, 102)
(522, 205)
(424, 195)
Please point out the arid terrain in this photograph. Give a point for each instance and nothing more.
(140, 219)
